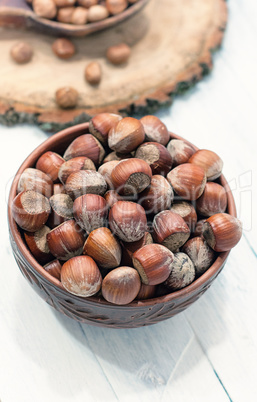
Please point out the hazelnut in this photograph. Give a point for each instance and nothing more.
(81, 276)
(34, 179)
(180, 151)
(54, 269)
(155, 130)
(213, 200)
(128, 221)
(126, 135)
(30, 210)
(21, 52)
(170, 230)
(116, 156)
(187, 212)
(58, 189)
(121, 285)
(74, 165)
(157, 157)
(131, 176)
(146, 292)
(111, 197)
(36, 242)
(116, 6)
(66, 97)
(45, 8)
(106, 171)
(182, 272)
(63, 48)
(100, 125)
(64, 14)
(188, 181)
(198, 231)
(128, 249)
(66, 240)
(97, 13)
(222, 231)
(79, 16)
(103, 247)
(158, 197)
(87, 3)
(85, 145)
(118, 54)
(93, 73)
(200, 254)
(90, 211)
(85, 182)
(209, 161)
(153, 263)
(50, 163)
(62, 209)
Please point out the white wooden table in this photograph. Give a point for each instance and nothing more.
(207, 353)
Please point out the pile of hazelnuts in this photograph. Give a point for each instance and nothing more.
(127, 212)
(79, 12)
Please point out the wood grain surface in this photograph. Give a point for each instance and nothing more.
(171, 50)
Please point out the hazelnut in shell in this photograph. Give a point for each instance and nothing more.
(209, 161)
(128, 249)
(74, 165)
(46, 9)
(158, 196)
(126, 135)
(63, 48)
(116, 6)
(21, 52)
(111, 197)
(153, 263)
(186, 210)
(101, 124)
(90, 212)
(157, 157)
(85, 182)
(61, 209)
(155, 130)
(93, 73)
(188, 181)
(213, 200)
(118, 54)
(180, 151)
(182, 272)
(97, 12)
(54, 269)
(116, 156)
(121, 285)
(66, 97)
(81, 276)
(38, 246)
(146, 292)
(50, 163)
(85, 145)
(35, 180)
(106, 171)
(200, 254)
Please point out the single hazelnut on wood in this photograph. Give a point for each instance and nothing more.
(63, 48)
(74, 165)
(126, 135)
(66, 97)
(153, 263)
(111, 197)
(158, 197)
(90, 212)
(97, 13)
(209, 161)
(34, 179)
(61, 209)
(155, 130)
(54, 269)
(182, 272)
(116, 6)
(50, 163)
(103, 247)
(118, 54)
(187, 212)
(157, 157)
(131, 176)
(93, 73)
(128, 221)
(213, 200)
(85, 145)
(170, 230)
(100, 125)
(106, 171)
(21, 52)
(222, 231)
(121, 285)
(46, 8)
(81, 276)
(85, 182)
(64, 14)
(180, 151)
(38, 246)
(200, 254)
(30, 210)
(79, 16)
(146, 292)
(116, 156)
(66, 240)
(187, 180)
(128, 249)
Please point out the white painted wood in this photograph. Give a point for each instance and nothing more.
(207, 353)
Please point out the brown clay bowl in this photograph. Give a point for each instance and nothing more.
(18, 14)
(95, 310)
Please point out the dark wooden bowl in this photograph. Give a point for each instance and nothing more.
(95, 310)
(18, 14)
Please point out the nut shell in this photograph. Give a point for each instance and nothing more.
(121, 285)
(209, 161)
(35, 180)
(155, 130)
(74, 165)
(128, 249)
(50, 163)
(182, 272)
(101, 124)
(54, 269)
(158, 197)
(90, 212)
(213, 200)
(200, 254)
(61, 209)
(188, 181)
(180, 151)
(85, 145)
(187, 212)
(38, 246)
(85, 182)
(157, 157)
(126, 135)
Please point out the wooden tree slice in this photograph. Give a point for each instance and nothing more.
(171, 44)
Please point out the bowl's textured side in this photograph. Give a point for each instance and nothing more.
(95, 310)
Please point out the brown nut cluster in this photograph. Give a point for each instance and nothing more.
(125, 213)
